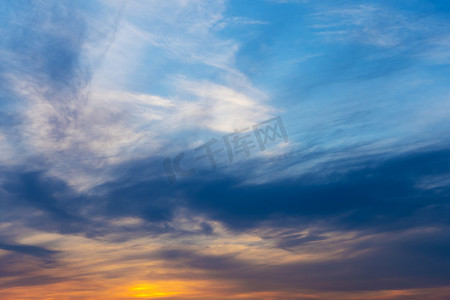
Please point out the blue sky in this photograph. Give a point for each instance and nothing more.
(95, 95)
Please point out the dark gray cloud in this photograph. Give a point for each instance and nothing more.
(28, 250)
(394, 261)
(379, 195)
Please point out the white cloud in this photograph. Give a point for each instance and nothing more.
(82, 128)
(368, 24)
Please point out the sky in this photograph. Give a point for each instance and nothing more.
(192, 149)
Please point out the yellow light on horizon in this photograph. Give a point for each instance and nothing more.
(159, 289)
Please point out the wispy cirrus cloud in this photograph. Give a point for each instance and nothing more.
(75, 120)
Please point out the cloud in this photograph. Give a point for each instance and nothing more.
(308, 235)
(368, 24)
(355, 198)
(29, 250)
(85, 119)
